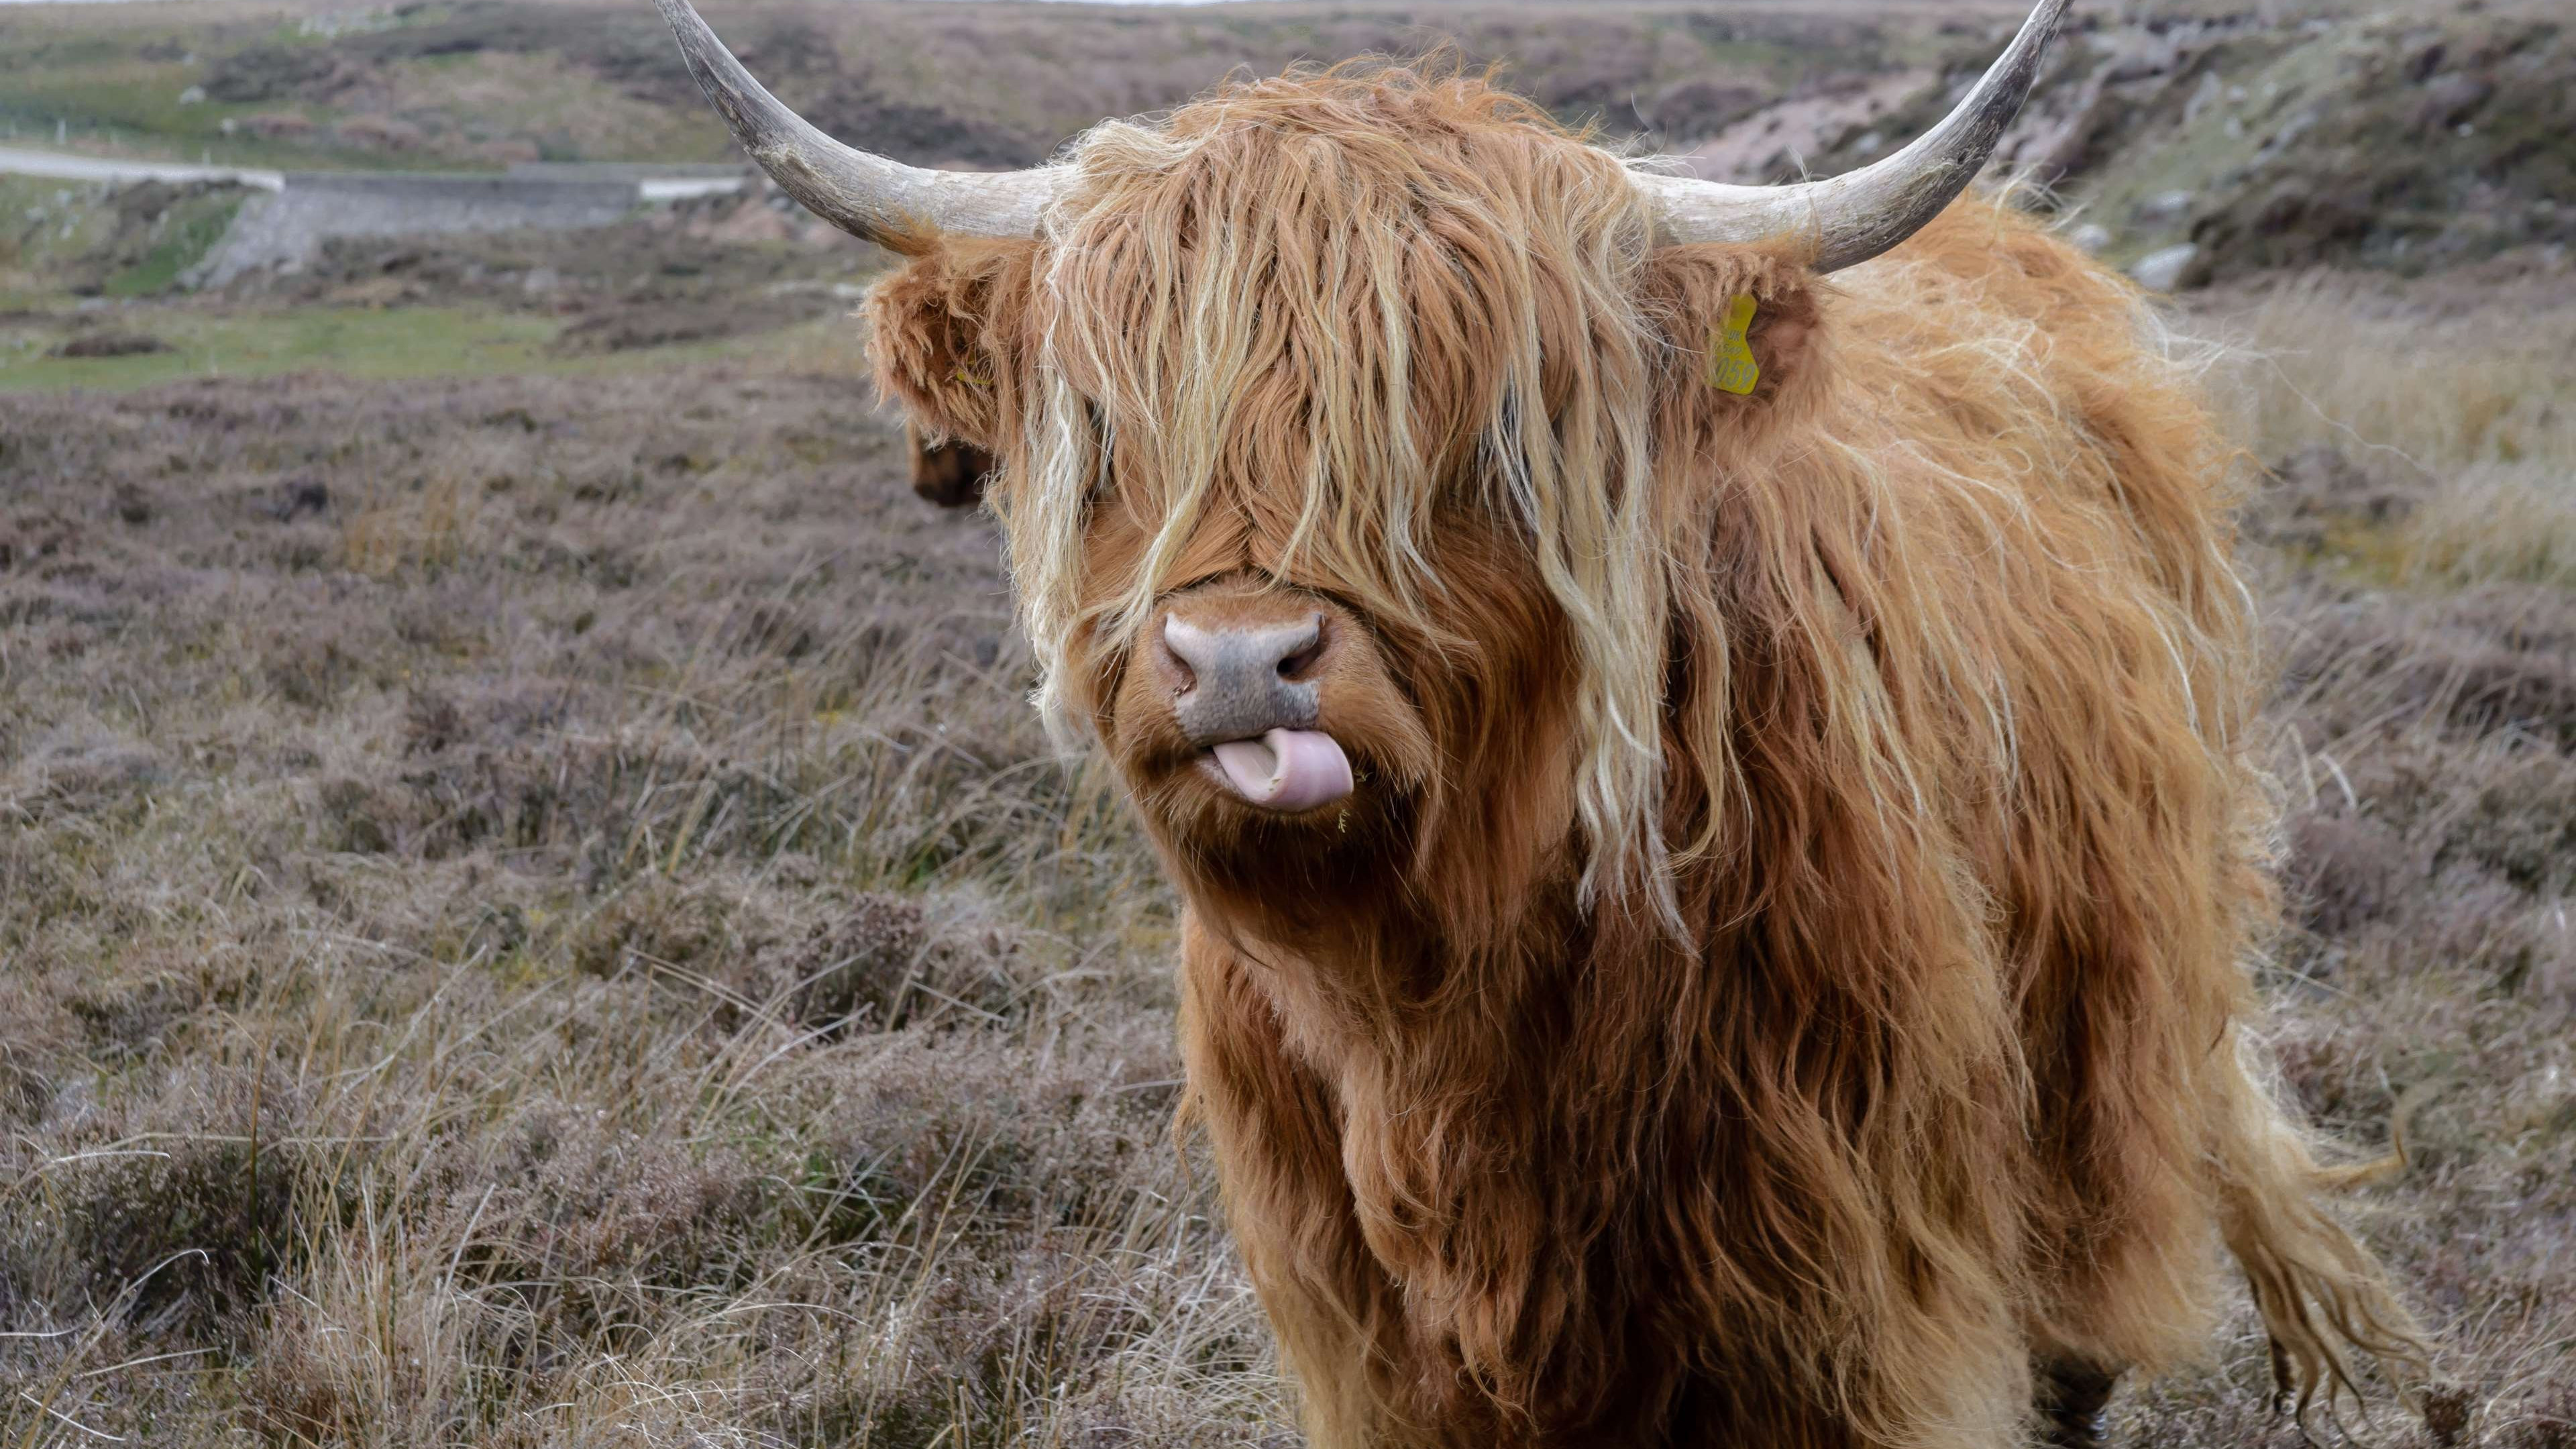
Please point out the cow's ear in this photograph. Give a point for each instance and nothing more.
(1744, 325)
(946, 337)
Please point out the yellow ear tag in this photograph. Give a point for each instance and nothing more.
(960, 373)
(1731, 367)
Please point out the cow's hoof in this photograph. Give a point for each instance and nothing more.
(2074, 1400)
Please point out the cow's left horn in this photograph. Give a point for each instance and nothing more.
(1859, 214)
(866, 195)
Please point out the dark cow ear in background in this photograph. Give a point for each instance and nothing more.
(951, 473)
(944, 337)
(1694, 289)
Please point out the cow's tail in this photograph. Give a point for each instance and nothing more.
(2326, 1302)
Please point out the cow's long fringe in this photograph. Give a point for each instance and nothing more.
(1908, 1034)
(1204, 270)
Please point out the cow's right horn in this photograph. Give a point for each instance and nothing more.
(1859, 214)
(866, 195)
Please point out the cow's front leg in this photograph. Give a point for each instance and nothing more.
(1272, 1125)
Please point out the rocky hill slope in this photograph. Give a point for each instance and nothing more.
(2406, 138)
(2202, 142)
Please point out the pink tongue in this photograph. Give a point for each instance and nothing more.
(1287, 770)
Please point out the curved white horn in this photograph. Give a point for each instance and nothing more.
(1859, 214)
(865, 195)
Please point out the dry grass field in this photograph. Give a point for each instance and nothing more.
(533, 911)
(535, 914)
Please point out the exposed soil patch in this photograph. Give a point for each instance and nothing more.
(631, 323)
(110, 344)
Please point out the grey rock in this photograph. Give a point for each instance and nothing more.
(2449, 100)
(2162, 269)
(2137, 54)
(2165, 207)
(2208, 94)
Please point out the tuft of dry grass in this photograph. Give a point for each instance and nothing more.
(2444, 373)
(2513, 522)
(535, 912)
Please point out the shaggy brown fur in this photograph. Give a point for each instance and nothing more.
(1783, 970)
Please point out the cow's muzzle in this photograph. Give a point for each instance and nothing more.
(1250, 696)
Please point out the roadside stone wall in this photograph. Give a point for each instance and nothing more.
(287, 228)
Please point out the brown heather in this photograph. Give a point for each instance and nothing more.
(535, 911)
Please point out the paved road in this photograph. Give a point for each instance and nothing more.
(21, 162)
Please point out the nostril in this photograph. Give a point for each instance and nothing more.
(1298, 662)
(1176, 671)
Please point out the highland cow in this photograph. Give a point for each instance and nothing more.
(1706, 735)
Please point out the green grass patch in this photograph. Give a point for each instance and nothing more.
(121, 93)
(350, 342)
(186, 238)
(358, 342)
(45, 223)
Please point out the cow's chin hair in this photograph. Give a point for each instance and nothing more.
(1310, 867)
(1190, 807)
